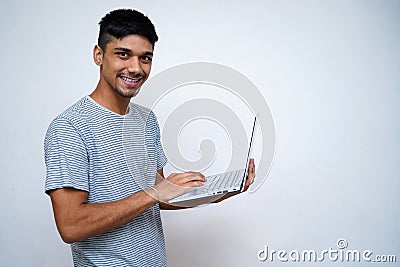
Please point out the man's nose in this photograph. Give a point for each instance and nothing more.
(134, 66)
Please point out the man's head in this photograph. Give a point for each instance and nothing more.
(124, 51)
(122, 22)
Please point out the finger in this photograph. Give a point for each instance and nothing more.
(191, 173)
(194, 183)
(250, 173)
(194, 176)
(194, 180)
(188, 179)
(249, 181)
(250, 166)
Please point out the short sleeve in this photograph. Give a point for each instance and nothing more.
(66, 157)
(161, 158)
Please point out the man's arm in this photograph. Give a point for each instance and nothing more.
(77, 220)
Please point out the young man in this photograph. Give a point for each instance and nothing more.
(108, 210)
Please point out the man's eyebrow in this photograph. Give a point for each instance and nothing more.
(123, 49)
(147, 53)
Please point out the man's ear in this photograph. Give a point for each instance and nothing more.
(98, 55)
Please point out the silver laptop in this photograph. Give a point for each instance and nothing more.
(219, 184)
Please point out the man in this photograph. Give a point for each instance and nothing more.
(108, 210)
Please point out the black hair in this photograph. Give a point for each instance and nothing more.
(122, 22)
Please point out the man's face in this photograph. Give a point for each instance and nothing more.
(126, 64)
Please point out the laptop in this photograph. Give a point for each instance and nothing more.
(217, 185)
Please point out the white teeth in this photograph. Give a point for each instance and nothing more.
(129, 80)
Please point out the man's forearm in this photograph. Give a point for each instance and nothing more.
(77, 220)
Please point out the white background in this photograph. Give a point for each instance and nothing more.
(328, 69)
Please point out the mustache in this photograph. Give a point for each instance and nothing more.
(132, 75)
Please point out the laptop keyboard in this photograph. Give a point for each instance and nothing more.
(222, 181)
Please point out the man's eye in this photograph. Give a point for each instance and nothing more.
(122, 54)
(146, 58)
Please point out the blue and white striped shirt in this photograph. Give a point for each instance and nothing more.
(90, 148)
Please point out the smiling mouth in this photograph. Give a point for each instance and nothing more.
(131, 82)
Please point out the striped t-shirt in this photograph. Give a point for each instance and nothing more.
(90, 148)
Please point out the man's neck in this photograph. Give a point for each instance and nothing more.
(110, 100)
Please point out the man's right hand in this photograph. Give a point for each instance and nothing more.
(177, 184)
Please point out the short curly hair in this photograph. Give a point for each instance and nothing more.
(122, 22)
